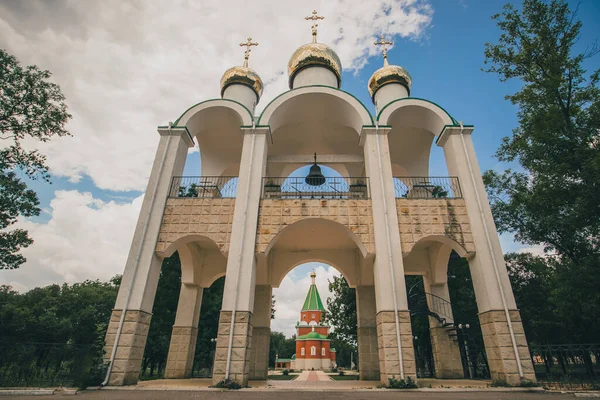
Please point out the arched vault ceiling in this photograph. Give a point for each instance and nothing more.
(314, 234)
(307, 137)
(410, 149)
(316, 104)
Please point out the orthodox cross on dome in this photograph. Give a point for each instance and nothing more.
(314, 17)
(384, 43)
(248, 44)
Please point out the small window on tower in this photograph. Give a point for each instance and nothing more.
(323, 351)
(313, 351)
(313, 316)
(302, 351)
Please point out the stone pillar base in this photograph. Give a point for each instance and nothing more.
(368, 355)
(240, 352)
(130, 351)
(181, 352)
(446, 353)
(389, 361)
(499, 348)
(259, 353)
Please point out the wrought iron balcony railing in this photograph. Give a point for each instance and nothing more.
(204, 186)
(332, 188)
(429, 187)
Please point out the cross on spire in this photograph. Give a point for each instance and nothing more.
(314, 17)
(248, 44)
(384, 43)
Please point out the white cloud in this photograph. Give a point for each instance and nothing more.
(128, 66)
(85, 238)
(290, 296)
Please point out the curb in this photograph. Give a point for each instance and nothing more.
(273, 389)
(27, 392)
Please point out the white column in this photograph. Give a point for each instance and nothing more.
(232, 353)
(385, 220)
(396, 353)
(185, 332)
(489, 253)
(138, 286)
(261, 333)
(503, 334)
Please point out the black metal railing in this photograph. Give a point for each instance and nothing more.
(428, 187)
(204, 186)
(567, 366)
(332, 188)
(50, 365)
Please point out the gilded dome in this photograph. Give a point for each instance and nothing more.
(242, 76)
(389, 74)
(315, 54)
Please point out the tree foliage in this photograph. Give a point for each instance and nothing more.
(31, 108)
(341, 315)
(67, 314)
(553, 198)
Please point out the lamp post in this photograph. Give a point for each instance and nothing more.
(466, 345)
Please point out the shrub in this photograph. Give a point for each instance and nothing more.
(499, 383)
(285, 372)
(228, 384)
(407, 383)
(334, 369)
(341, 373)
(291, 370)
(528, 383)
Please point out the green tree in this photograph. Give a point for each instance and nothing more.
(341, 315)
(341, 310)
(276, 343)
(553, 198)
(31, 107)
(163, 316)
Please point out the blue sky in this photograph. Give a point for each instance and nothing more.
(122, 80)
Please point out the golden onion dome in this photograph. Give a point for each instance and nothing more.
(389, 74)
(314, 54)
(242, 76)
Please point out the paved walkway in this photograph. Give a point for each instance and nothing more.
(250, 394)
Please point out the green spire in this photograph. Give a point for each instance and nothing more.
(313, 300)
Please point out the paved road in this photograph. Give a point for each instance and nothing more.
(293, 395)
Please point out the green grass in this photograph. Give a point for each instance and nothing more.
(282, 377)
(344, 377)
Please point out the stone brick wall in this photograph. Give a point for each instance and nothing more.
(259, 353)
(240, 353)
(389, 360)
(499, 349)
(446, 353)
(368, 354)
(445, 217)
(274, 215)
(181, 352)
(208, 217)
(130, 350)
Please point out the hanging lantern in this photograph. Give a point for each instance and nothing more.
(315, 176)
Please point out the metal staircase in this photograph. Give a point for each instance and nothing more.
(473, 360)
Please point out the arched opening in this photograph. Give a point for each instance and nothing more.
(315, 323)
(415, 124)
(186, 309)
(447, 336)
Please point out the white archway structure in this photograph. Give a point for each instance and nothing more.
(217, 126)
(315, 119)
(414, 124)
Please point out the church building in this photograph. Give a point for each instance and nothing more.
(313, 350)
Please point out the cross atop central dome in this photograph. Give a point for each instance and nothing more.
(315, 55)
